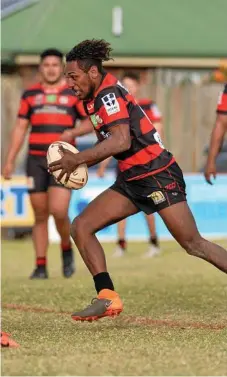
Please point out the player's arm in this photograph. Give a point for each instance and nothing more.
(119, 141)
(216, 142)
(18, 135)
(113, 111)
(85, 127)
(16, 141)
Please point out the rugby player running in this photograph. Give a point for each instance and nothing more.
(149, 180)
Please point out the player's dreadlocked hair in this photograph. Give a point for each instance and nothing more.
(90, 52)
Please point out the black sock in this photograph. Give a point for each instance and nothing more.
(66, 250)
(103, 281)
(154, 241)
(41, 262)
(122, 243)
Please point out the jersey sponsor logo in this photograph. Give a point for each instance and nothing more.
(158, 139)
(111, 104)
(157, 197)
(63, 100)
(171, 186)
(51, 98)
(105, 135)
(50, 109)
(94, 120)
(99, 119)
(90, 106)
(39, 99)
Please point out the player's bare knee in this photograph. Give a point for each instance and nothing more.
(40, 217)
(78, 228)
(59, 215)
(194, 246)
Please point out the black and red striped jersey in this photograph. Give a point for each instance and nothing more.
(222, 102)
(151, 109)
(50, 112)
(113, 105)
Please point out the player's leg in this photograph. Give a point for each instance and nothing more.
(181, 224)
(121, 241)
(58, 201)
(39, 202)
(121, 230)
(108, 208)
(153, 248)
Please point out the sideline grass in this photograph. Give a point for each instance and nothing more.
(173, 305)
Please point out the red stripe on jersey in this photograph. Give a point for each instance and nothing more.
(122, 113)
(48, 118)
(31, 100)
(152, 172)
(24, 108)
(108, 80)
(80, 109)
(222, 103)
(38, 153)
(130, 98)
(36, 138)
(141, 158)
(145, 101)
(145, 126)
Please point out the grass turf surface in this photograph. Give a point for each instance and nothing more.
(174, 320)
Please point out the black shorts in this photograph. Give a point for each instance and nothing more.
(39, 180)
(155, 192)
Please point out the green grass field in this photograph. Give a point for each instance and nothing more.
(174, 320)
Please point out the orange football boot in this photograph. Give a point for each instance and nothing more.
(6, 341)
(107, 304)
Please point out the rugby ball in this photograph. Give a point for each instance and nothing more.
(79, 177)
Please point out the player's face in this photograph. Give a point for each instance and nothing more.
(82, 83)
(51, 69)
(131, 85)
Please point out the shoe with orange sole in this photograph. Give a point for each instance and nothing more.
(6, 341)
(107, 304)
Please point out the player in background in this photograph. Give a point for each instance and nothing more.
(131, 82)
(51, 109)
(217, 136)
(150, 180)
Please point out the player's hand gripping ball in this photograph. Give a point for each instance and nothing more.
(62, 165)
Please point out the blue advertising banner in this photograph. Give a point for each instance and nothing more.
(16, 210)
(208, 204)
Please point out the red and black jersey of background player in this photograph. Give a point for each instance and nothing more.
(151, 109)
(222, 102)
(113, 105)
(50, 112)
